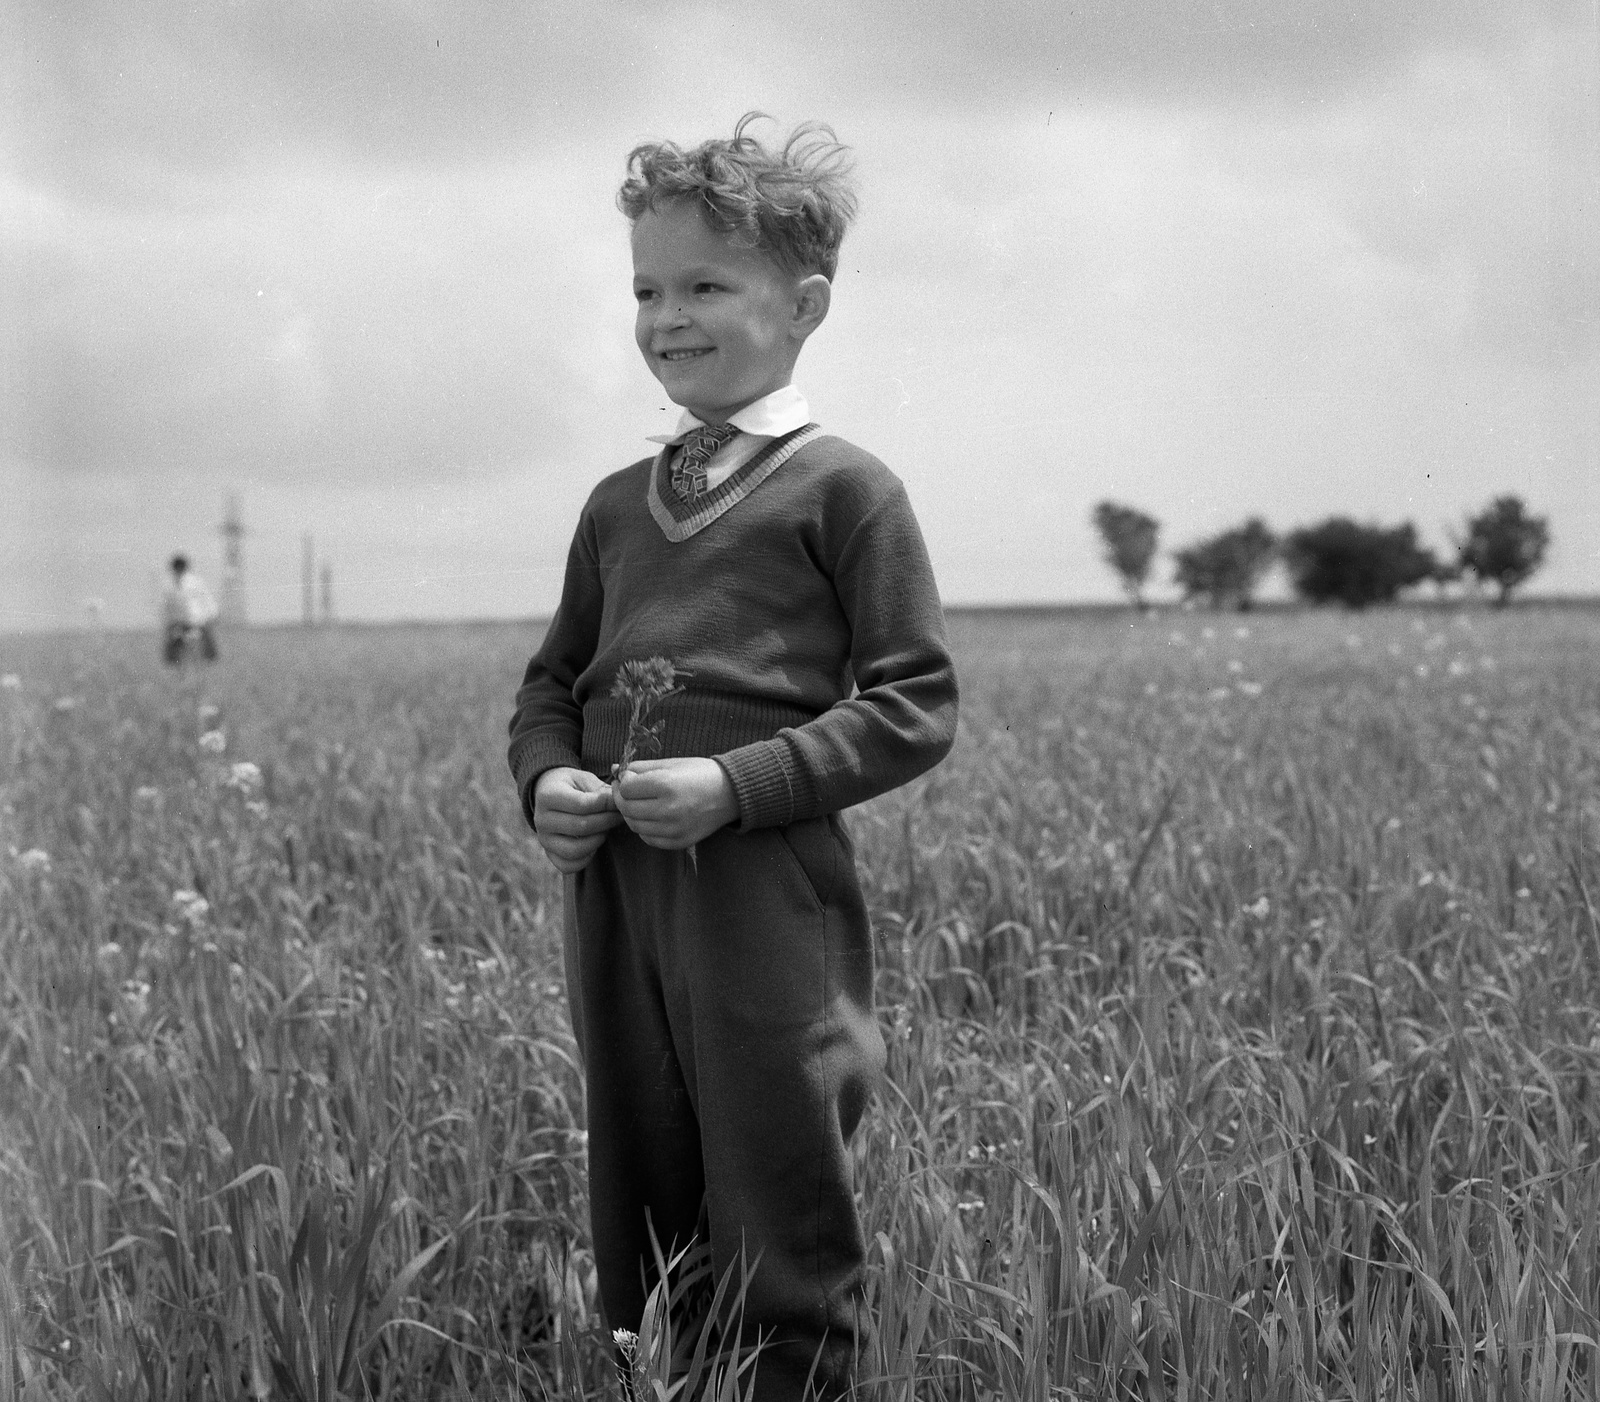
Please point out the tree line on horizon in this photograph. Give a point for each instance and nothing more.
(1335, 561)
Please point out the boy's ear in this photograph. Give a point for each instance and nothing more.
(813, 295)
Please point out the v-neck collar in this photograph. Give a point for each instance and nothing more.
(679, 519)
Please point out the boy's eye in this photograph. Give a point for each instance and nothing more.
(642, 294)
(708, 287)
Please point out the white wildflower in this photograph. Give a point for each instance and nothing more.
(136, 998)
(10, 682)
(1251, 688)
(147, 793)
(64, 704)
(244, 776)
(35, 859)
(208, 713)
(109, 952)
(1241, 632)
(1260, 909)
(1352, 640)
(256, 809)
(213, 742)
(1235, 665)
(192, 906)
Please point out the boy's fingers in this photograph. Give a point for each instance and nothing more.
(634, 785)
(585, 800)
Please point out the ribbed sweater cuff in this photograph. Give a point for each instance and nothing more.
(772, 789)
(538, 755)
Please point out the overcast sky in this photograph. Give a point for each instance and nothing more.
(360, 263)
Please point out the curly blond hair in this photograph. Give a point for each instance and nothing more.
(793, 203)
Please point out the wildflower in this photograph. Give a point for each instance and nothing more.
(66, 704)
(1458, 668)
(1251, 688)
(645, 685)
(1261, 908)
(1393, 825)
(1421, 670)
(1352, 640)
(109, 952)
(147, 793)
(35, 859)
(256, 809)
(970, 1205)
(484, 966)
(1235, 665)
(136, 998)
(1426, 879)
(208, 713)
(1220, 693)
(1208, 633)
(10, 682)
(1241, 632)
(192, 906)
(213, 742)
(1150, 688)
(244, 776)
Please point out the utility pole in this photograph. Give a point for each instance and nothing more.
(327, 592)
(233, 594)
(308, 574)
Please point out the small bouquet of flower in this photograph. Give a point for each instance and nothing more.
(645, 685)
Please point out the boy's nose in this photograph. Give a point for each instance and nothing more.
(671, 316)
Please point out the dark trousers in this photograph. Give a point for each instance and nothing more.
(724, 1012)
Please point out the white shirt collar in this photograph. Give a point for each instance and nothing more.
(780, 412)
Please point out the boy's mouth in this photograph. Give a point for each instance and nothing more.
(677, 355)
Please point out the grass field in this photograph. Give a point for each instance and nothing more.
(1240, 974)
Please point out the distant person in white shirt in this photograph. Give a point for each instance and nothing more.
(188, 610)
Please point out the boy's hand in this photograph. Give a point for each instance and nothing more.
(572, 812)
(673, 803)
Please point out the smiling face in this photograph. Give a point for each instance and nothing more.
(720, 326)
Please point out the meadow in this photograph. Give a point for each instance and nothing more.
(1240, 976)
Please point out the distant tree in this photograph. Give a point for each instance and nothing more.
(1504, 545)
(1225, 569)
(1129, 537)
(1339, 561)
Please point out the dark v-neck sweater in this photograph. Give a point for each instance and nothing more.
(797, 596)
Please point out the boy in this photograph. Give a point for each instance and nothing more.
(719, 958)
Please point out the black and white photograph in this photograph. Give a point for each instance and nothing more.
(786, 703)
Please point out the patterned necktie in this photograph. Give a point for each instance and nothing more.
(689, 472)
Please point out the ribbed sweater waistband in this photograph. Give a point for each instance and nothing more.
(693, 723)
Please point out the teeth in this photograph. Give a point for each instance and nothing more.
(680, 354)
